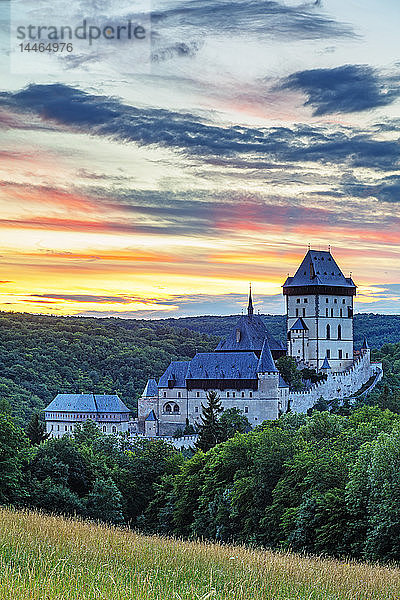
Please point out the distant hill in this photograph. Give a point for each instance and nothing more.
(379, 329)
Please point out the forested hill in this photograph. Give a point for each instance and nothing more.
(43, 355)
(379, 329)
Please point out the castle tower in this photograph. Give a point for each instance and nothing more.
(319, 309)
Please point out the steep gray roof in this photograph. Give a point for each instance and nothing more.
(151, 416)
(151, 389)
(87, 403)
(248, 336)
(175, 375)
(282, 382)
(319, 268)
(325, 364)
(365, 345)
(223, 365)
(299, 325)
(266, 362)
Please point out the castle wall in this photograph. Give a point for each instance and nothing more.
(338, 385)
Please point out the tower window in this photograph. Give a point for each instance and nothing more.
(251, 394)
(328, 353)
(304, 312)
(331, 312)
(297, 312)
(242, 394)
(340, 354)
(179, 395)
(328, 332)
(196, 409)
(327, 300)
(165, 394)
(298, 300)
(198, 394)
(305, 301)
(227, 394)
(246, 409)
(339, 333)
(335, 300)
(344, 300)
(233, 394)
(327, 312)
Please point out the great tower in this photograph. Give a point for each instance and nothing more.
(319, 309)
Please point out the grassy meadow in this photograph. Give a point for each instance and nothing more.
(53, 558)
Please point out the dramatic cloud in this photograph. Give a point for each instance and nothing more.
(247, 17)
(345, 89)
(109, 117)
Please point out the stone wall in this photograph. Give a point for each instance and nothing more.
(338, 385)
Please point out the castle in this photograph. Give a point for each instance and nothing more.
(242, 369)
(319, 310)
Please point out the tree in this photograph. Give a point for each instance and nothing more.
(287, 367)
(36, 430)
(13, 443)
(233, 421)
(210, 430)
(104, 502)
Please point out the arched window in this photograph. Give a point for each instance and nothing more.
(104, 428)
(328, 332)
(114, 429)
(339, 332)
(171, 407)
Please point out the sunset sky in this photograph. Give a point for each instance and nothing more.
(257, 128)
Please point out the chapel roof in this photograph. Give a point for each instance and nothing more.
(94, 403)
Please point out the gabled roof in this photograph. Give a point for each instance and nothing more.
(151, 389)
(176, 372)
(223, 365)
(325, 364)
(319, 268)
(88, 403)
(248, 336)
(266, 362)
(299, 325)
(151, 416)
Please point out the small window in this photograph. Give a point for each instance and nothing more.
(246, 409)
(339, 333)
(233, 394)
(196, 409)
(114, 429)
(197, 394)
(65, 427)
(179, 395)
(341, 312)
(327, 300)
(340, 354)
(227, 394)
(304, 312)
(335, 300)
(327, 312)
(297, 312)
(251, 394)
(165, 394)
(328, 353)
(104, 428)
(331, 312)
(344, 300)
(305, 300)
(242, 394)
(176, 408)
(298, 300)
(328, 332)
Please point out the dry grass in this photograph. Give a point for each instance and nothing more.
(50, 558)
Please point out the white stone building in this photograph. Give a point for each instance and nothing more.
(319, 308)
(67, 410)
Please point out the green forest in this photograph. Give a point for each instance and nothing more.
(43, 355)
(323, 483)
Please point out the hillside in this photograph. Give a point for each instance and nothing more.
(379, 329)
(43, 355)
(49, 558)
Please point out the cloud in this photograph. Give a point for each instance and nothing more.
(246, 17)
(69, 107)
(386, 190)
(344, 89)
(85, 298)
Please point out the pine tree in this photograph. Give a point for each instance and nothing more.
(210, 430)
(36, 430)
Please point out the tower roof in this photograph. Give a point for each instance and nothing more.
(325, 364)
(299, 325)
(151, 416)
(151, 389)
(248, 336)
(266, 362)
(365, 345)
(319, 268)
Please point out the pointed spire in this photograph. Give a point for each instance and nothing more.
(266, 362)
(325, 365)
(250, 309)
(365, 345)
